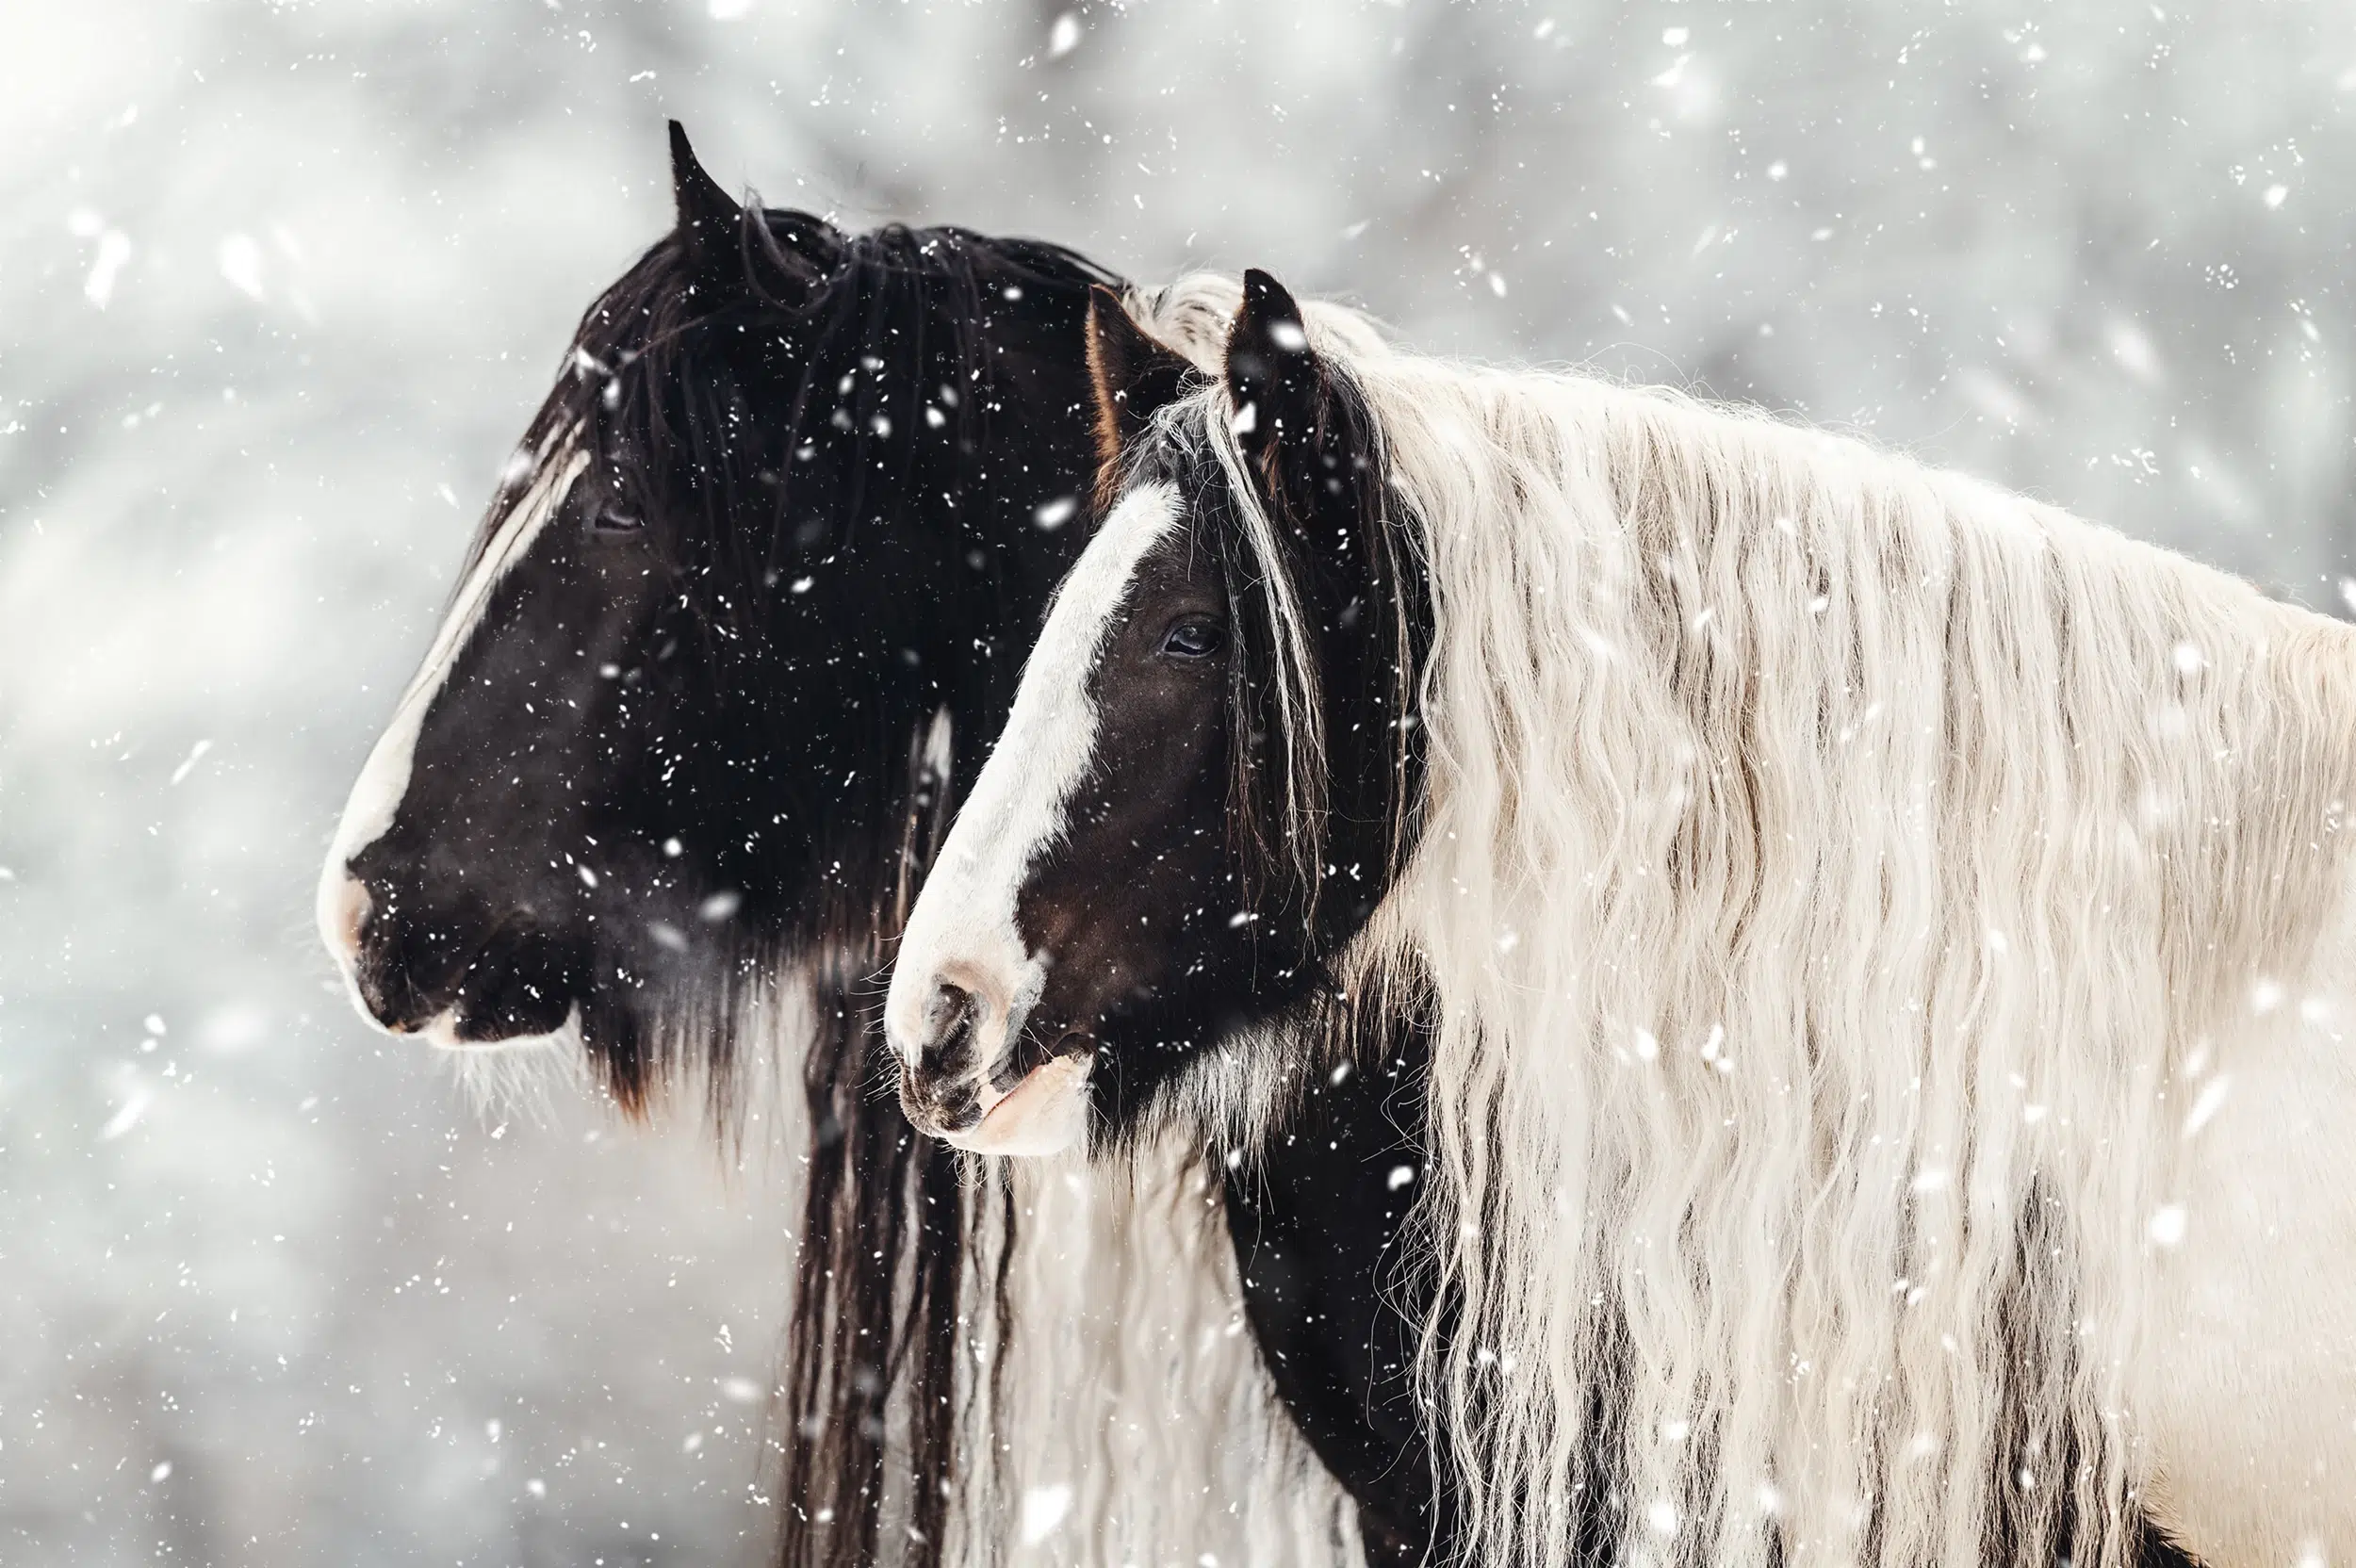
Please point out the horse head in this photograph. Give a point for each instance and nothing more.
(735, 612)
(1209, 778)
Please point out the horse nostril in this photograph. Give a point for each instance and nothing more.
(951, 1016)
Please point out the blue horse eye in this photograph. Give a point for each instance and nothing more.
(1194, 637)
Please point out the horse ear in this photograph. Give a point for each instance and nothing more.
(1271, 372)
(1134, 375)
(709, 218)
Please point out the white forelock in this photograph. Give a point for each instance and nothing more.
(1194, 314)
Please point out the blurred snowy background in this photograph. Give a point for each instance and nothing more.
(282, 283)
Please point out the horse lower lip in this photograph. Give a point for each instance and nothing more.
(1008, 1097)
(1011, 1095)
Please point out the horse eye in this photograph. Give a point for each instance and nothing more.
(1195, 637)
(613, 520)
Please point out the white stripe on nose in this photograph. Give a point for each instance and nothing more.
(341, 905)
(963, 933)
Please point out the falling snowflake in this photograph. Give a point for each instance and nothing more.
(240, 261)
(1043, 1512)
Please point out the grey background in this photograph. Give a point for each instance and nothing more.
(282, 283)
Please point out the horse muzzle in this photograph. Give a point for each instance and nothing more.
(449, 979)
(972, 1076)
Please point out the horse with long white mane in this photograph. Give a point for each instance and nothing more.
(1886, 947)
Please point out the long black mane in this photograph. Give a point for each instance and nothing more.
(770, 411)
(895, 296)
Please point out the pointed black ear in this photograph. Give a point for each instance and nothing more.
(1135, 375)
(1306, 434)
(1271, 372)
(709, 218)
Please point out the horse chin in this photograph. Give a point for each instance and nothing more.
(448, 1032)
(525, 1074)
(1047, 1113)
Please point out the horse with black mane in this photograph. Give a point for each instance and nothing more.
(748, 605)
(1883, 948)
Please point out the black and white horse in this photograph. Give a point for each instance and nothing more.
(1886, 947)
(751, 601)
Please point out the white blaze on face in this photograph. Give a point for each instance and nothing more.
(962, 932)
(376, 795)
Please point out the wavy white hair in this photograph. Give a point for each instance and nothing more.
(1849, 893)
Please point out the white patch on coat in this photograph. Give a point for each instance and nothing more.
(962, 931)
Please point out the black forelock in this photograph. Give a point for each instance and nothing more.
(651, 371)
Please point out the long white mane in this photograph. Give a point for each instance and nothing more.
(1836, 878)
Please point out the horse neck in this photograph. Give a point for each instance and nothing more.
(1827, 862)
(1753, 746)
(1757, 630)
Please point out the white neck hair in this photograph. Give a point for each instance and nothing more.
(1828, 863)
